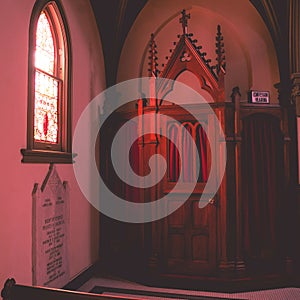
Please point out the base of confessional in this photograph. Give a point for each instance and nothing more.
(256, 276)
(127, 252)
(228, 284)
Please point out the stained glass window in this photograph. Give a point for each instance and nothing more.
(49, 86)
(46, 106)
(46, 86)
(44, 51)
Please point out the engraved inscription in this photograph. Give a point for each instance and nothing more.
(50, 232)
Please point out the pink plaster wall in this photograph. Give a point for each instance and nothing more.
(17, 179)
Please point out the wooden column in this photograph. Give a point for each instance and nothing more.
(293, 148)
(150, 148)
(239, 261)
(296, 100)
(294, 48)
(152, 229)
(225, 197)
(294, 35)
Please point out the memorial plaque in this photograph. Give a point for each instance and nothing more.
(51, 231)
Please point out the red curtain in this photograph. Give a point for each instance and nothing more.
(132, 193)
(121, 243)
(107, 171)
(262, 165)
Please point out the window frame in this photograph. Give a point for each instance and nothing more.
(42, 151)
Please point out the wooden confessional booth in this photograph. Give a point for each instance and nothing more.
(243, 228)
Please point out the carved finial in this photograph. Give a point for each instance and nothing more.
(235, 94)
(153, 57)
(184, 21)
(220, 51)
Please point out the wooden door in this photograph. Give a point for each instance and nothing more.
(189, 241)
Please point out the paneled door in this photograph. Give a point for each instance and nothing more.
(189, 239)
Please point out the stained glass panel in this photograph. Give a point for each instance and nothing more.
(44, 51)
(49, 102)
(46, 108)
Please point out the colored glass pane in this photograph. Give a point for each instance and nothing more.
(46, 108)
(46, 86)
(44, 51)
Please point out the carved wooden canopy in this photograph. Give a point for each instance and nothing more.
(188, 56)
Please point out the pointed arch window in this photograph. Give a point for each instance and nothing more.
(188, 170)
(49, 95)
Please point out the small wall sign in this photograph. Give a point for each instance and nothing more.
(259, 97)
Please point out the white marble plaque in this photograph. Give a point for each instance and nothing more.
(50, 231)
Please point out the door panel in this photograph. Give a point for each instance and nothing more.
(189, 239)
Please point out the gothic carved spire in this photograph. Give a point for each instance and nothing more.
(153, 57)
(220, 51)
(188, 55)
(184, 21)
